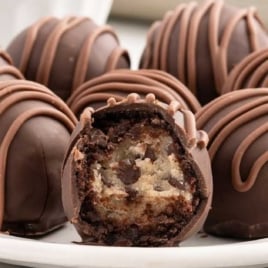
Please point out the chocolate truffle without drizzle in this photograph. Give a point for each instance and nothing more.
(137, 173)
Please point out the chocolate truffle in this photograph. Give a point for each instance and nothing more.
(64, 53)
(7, 70)
(236, 124)
(200, 44)
(251, 72)
(34, 134)
(137, 173)
(119, 83)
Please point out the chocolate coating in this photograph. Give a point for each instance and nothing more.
(64, 53)
(201, 43)
(120, 83)
(35, 130)
(137, 173)
(7, 70)
(251, 72)
(236, 124)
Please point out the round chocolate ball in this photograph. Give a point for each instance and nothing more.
(137, 173)
(120, 83)
(34, 134)
(201, 43)
(251, 72)
(64, 53)
(236, 124)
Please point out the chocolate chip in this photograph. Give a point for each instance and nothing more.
(176, 183)
(158, 188)
(150, 153)
(128, 172)
(132, 193)
(105, 180)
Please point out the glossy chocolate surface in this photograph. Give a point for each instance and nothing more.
(64, 53)
(236, 124)
(35, 130)
(120, 83)
(114, 199)
(201, 43)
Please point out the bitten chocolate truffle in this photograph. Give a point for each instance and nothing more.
(64, 53)
(34, 134)
(201, 43)
(251, 72)
(119, 83)
(236, 124)
(7, 70)
(137, 173)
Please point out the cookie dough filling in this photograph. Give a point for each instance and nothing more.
(134, 179)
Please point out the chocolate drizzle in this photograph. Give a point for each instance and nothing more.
(120, 83)
(179, 31)
(76, 67)
(251, 72)
(7, 70)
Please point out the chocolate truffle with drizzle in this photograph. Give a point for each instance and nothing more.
(137, 173)
(64, 53)
(34, 134)
(201, 43)
(236, 124)
(119, 83)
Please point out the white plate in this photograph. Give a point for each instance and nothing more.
(57, 250)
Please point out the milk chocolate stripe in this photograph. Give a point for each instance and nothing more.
(225, 132)
(183, 43)
(238, 183)
(11, 70)
(211, 108)
(23, 96)
(129, 88)
(159, 39)
(252, 32)
(6, 57)
(9, 136)
(236, 79)
(222, 58)
(30, 41)
(214, 46)
(110, 79)
(190, 127)
(7, 87)
(114, 58)
(218, 126)
(148, 50)
(166, 36)
(176, 85)
(192, 42)
(51, 45)
(257, 77)
(81, 67)
(94, 98)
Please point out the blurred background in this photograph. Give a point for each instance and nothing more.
(149, 10)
